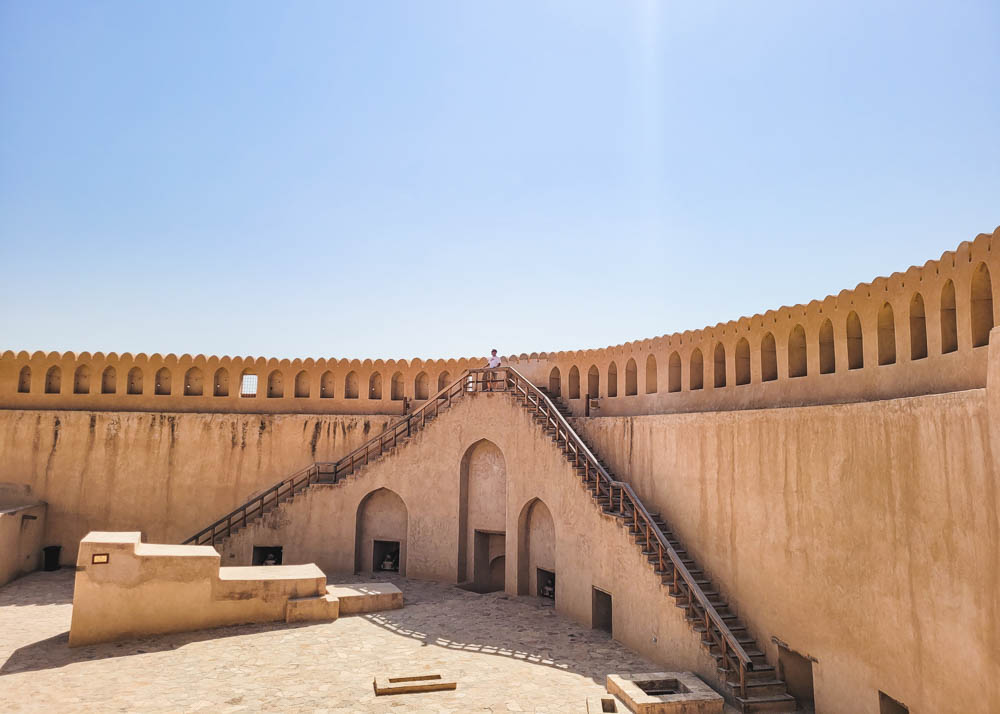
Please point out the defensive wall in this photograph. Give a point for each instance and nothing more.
(922, 331)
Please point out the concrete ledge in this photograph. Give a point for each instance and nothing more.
(312, 609)
(367, 597)
(692, 696)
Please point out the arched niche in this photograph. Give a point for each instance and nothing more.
(53, 380)
(444, 379)
(918, 327)
(768, 358)
(302, 385)
(651, 380)
(221, 382)
(612, 380)
(482, 516)
(674, 372)
(275, 385)
(981, 305)
(421, 386)
(81, 380)
(375, 385)
(555, 382)
(798, 359)
(697, 376)
(396, 387)
(24, 380)
(326, 389)
(109, 380)
(886, 335)
(949, 319)
(574, 382)
(743, 361)
(193, 383)
(134, 383)
(827, 350)
(536, 549)
(351, 385)
(162, 384)
(719, 366)
(593, 382)
(855, 342)
(631, 378)
(380, 531)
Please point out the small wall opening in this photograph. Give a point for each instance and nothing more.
(375, 385)
(651, 383)
(351, 385)
(574, 382)
(193, 386)
(221, 382)
(697, 376)
(109, 381)
(674, 373)
(827, 353)
(918, 328)
(488, 562)
(981, 308)
(326, 390)
(631, 378)
(886, 335)
(24, 380)
(302, 385)
(743, 361)
(162, 384)
(798, 359)
(600, 611)
(444, 379)
(768, 359)
(275, 385)
(949, 319)
(266, 555)
(420, 386)
(248, 385)
(396, 387)
(612, 380)
(555, 382)
(546, 584)
(385, 556)
(855, 342)
(888, 705)
(81, 380)
(719, 366)
(593, 382)
(134, 385)
(797, 672)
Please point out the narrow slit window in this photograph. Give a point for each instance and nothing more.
(248, 385)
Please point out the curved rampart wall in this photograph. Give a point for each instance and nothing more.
(924, 331)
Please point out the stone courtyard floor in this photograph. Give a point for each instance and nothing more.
(507, 655)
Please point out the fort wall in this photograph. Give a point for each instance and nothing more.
(922, 331)
(167, 475)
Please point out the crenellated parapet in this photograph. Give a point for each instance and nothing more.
(921, 331)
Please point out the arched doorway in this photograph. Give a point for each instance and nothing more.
(536, 551)
(482, 516)
(380, 533)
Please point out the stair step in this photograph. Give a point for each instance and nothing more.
(772, 703)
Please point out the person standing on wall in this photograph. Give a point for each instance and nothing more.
(493, 363)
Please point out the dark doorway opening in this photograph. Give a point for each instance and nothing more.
(546, 584)
(797, 671)
(385, 556)
(888, 705)
(600, 615)
(488, 561)
(266, 555)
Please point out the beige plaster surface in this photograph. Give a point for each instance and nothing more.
(508, 655)
(22, 525)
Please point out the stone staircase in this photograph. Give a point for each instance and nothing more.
(741, 664)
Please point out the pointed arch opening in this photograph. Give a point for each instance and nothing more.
(351, 385)
(275, 385)
(798, 359)
(855, 342)
(109, 380)
(162, 383)
(380, 533)
(536, 551)
(719, 366)
(375, 385)
(593, 382)
(327, 389)
(612, 380)
(24, 380)
(949, 319)
(651, 381)
(134, 384)
(221, 382)
(631, 378)
(743, 361)
(396, 387)
(482, 516)
(420, 386)
(193, 386)
(827, 352)
(555, 382)
(674, 372)
(886, 335)
(574, 382)
(768, 358)
(53, 380)
(981, 307)
(81, 380)
(918, 328)
(444, 379)
(696, 379)
(302, 385)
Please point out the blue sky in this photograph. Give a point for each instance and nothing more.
(425, 179)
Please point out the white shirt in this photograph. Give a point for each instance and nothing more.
(494, 362)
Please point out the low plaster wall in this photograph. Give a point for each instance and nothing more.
(21, 529)
(865, 536)
(167, 475)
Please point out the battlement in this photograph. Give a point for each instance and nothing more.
(921, 331)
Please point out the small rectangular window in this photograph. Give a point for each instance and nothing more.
(248, 385)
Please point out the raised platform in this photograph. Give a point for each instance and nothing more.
(366, 597)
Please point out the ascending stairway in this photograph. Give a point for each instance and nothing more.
(741, 664)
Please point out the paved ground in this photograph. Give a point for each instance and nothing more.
(507, 654)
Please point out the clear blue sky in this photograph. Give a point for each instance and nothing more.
(401, 179)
